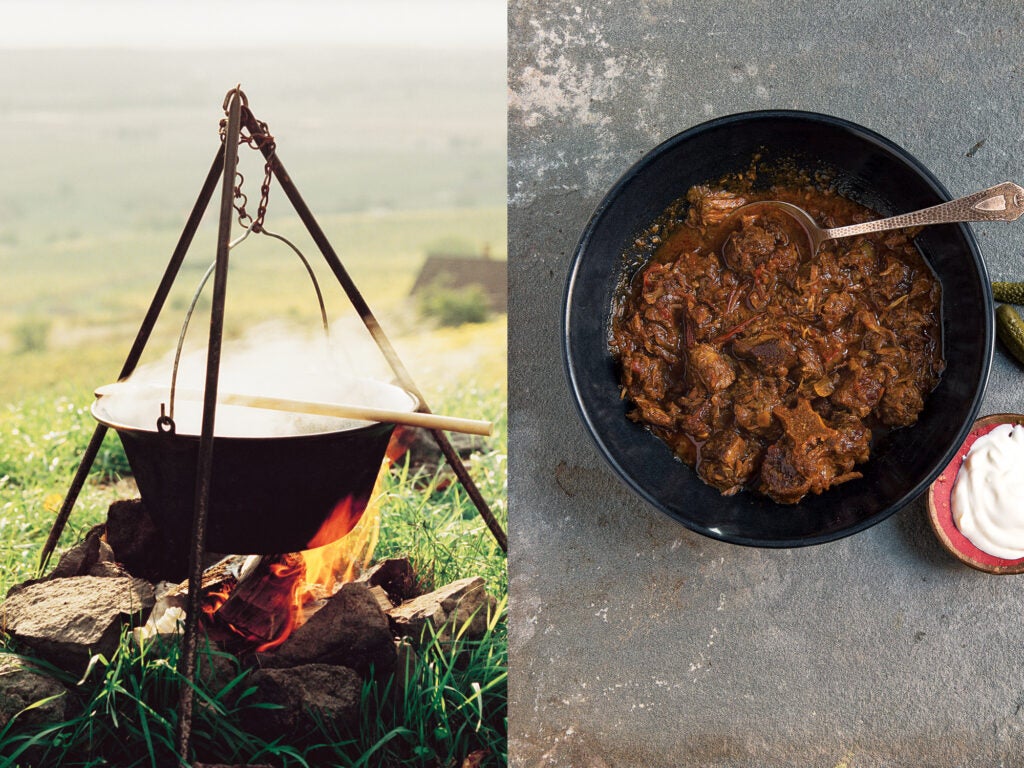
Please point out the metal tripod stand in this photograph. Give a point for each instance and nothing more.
(224, 167)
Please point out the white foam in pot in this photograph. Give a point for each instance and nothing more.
(140, 410)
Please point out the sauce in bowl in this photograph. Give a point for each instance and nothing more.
(766, 369)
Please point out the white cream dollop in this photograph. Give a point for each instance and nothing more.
(988, 498)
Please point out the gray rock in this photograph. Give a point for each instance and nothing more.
(138, 543)
(350, 630)
(20, 686)
(446, 609)
(395, 576)
(107, 569)
(67, 620)
(303, 694)
(382, 598)
(92, 556)
(81, 557)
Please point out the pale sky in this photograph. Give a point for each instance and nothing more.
(251, 23)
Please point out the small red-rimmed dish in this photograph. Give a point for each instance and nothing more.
(940, 508)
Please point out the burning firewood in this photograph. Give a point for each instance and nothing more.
(258, 612)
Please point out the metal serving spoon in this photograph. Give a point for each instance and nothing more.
(1003, 202)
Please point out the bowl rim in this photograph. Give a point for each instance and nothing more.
(568, 360)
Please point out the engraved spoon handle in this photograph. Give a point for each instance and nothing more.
(1003, 202)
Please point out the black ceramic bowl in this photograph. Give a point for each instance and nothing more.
(865, 167)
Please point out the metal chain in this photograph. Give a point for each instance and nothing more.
(244, 219)
(259, 139)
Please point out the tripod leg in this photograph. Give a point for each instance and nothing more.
(184, 241)
(366, 314)
(204, 464)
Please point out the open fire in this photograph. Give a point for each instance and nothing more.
(267, 597)
(254, 603)
(325, 617)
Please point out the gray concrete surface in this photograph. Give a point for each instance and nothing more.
(635, 642)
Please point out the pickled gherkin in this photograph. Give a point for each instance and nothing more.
(1010, 293)
(1010, 329)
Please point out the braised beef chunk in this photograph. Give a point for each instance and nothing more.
(803, 425)
(859, 388)
(749, 247)
(817, 454)
(836, 308)
(780, 478)
(901, 404)
(852, 442)
(762, 248)
(772, 353)
(766, 370)
(712, 206)
(754, 399)
(728, 461)
(653, 413)
(711, 367)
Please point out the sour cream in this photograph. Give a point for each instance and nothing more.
(988, 498)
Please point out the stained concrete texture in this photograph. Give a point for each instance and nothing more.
(635, 642)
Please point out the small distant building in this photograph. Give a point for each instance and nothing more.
(463, 271)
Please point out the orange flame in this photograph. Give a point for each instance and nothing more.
(263, 611)
(213, 599)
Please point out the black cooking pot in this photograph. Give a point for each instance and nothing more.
(867, 168)
(275, 483)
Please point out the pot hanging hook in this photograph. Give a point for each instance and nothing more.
(255, 134)
(165, 424)
(241, 95)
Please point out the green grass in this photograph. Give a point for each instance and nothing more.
(41, 442)
(440, 531)
(453, 703)
(123, 712)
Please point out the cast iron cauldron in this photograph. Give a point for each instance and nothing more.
(274, 481)
(867, 168)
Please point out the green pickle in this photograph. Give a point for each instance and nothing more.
(1011, 293)
(1010, 329)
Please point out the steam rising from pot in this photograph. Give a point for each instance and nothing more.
(270, 362)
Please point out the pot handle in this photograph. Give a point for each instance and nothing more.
(166, 421)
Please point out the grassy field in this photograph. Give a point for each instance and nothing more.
(89, 314)
(124, 138)
(396, 151)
